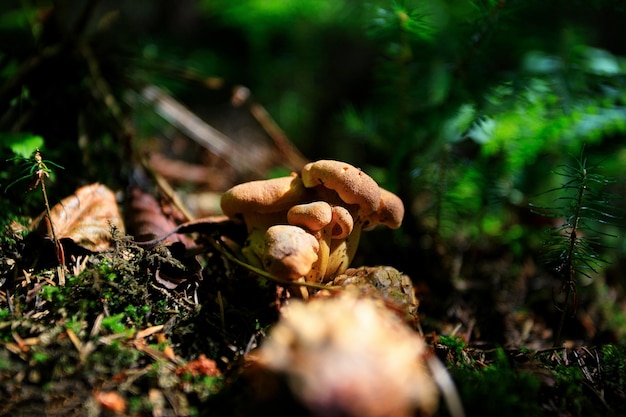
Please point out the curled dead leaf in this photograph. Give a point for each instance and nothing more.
(86, 218)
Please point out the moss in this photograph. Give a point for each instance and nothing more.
(455, 343)
(497, 389)
(569, 385)
(613, 365)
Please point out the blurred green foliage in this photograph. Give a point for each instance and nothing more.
(472, 101)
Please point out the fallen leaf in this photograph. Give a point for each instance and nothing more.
(86, 218)
(147, 219)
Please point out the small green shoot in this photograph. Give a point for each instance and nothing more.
(37, 170)
(571, 248)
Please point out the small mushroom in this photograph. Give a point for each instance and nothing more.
(325, 223)
(290, 251)
(314, 217)
(261, 204)
(343, 233)
(342, 223)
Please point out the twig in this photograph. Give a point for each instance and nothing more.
(197, 129)
(295, 159)
(166, 189)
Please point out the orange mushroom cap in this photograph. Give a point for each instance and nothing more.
(342, 223)
(351, 184)
(312, 216)
(264, 196)
(389, 213)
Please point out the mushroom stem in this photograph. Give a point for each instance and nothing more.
(254, 247)
(342, 252)
(257, 224)
(318, 270)
(352, 243)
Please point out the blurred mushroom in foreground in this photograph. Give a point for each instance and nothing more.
(346, 355)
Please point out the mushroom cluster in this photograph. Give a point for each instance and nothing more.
(309, 225)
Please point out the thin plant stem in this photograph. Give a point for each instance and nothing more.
(41, 174)
(567, 267)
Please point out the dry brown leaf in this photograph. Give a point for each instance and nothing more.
(85, 217)
(146, 220)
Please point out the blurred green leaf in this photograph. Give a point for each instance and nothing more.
(21, 144)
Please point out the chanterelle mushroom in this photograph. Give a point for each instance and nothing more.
(351, 184)
(331, 200)
(314, 217)
(326, 223)
(276, 195)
